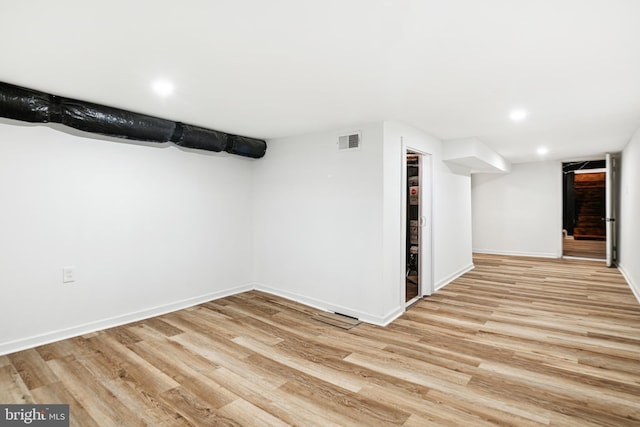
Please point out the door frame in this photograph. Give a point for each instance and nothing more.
(611, 201)
(426, 287)
(608, 193)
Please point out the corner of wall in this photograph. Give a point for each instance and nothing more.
(635, 287)
(451, 277)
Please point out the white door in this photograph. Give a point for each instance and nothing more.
(610, 208)
(426, 252)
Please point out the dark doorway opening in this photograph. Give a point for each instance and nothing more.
(414, 226)
(584, 209)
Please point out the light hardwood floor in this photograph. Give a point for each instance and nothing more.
(517, 341)
(596, 249)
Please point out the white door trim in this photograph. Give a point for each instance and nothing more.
(426, 212)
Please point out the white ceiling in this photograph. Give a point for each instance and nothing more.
(267, 69)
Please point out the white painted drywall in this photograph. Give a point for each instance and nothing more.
(519, 213)
(327, 224)
(318, 222)
(451, 207)
(629, 226)
(475, 156)
(148, 229)
(154, 228)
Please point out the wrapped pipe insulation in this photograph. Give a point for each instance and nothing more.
(247, 147)
(201, 138)
(23, 104)
(32, 106)
(110, 121)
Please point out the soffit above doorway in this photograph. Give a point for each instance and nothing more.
(471, 155)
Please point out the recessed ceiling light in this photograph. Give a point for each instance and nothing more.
(162, 87)
(517, 115)
(542, 151)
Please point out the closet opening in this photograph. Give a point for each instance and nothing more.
(414, 226)
(417, 244)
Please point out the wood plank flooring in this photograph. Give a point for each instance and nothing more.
(596, 249)
(516, 341)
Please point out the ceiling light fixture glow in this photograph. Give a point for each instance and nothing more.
(518, 115)
(162, 87)
(542, 151)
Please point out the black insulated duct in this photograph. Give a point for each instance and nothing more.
(32, 106)
(248, 147)
(115, 122)
(24, 104)
(200, 138)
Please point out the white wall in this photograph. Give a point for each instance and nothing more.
(519, 213)
(318, 220)
(451, 207)
(327, 225)
(153, 228)
(629, 231)
(148, 228)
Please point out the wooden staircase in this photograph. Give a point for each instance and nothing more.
(590, 206)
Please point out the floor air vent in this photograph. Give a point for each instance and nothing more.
(349, 142)
(336, 319)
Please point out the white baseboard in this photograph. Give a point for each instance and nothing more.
(450, 278)
(53, 336)
(390, 317)
(516, 253)
(49, 337)
(326, 306)
(635, 288)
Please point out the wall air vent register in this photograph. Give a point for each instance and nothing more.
(349, 141)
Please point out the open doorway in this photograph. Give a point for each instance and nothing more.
(584, 209)
(418, 278)
(412, 244)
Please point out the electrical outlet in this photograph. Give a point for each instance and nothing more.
(68, 274)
